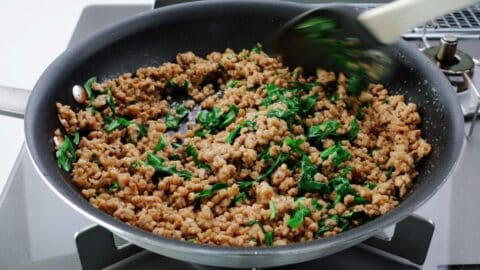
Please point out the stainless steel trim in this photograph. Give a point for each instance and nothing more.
(13, 101)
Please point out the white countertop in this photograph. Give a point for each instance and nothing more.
(33, 34)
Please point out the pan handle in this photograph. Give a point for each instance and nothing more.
(13, 101)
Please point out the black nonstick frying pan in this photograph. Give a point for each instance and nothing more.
(157, 36)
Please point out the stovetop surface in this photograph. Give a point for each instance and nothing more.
(37, 228)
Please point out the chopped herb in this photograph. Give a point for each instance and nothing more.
(208, 192)
(111, 103)
(281, 158)
(234, 133)
(316, 27)
(360, 114)
(354, 129)
(307, 182)
(323, 229)
(137, 163)
(273, 209)
(174, 157)
(66, 154)
(316, 205)
(342, 187)
(307, 104)
(117, 123)
(338, 154)
(176, 145)
(297, 219)
(173, 84)
(142, 131)
(239, 197)
(370, 185)
(294, 144)
(192, 240)
(192, 152)
(386, 101)
(232, 84)
(88, 88)
(360, 200)
(220, 66)
(356, 85)
(162, 143)
(214, 120)
(244, 185)
(273, 91)
(345, 170)
(257, 48)
(333, 98)
(251, 222)
(326, 129)
(265, 154)
(157, 163)
(200, 133)
(388, 174)
(268, 238)
(76, 138)
(288, 116)
(371, 151)
(114, 187)
(173, 121)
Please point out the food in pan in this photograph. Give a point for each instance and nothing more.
(254, 154)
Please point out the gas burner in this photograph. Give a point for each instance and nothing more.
(458, 66)
(407, 248)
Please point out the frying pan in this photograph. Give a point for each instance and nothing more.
(157, 36)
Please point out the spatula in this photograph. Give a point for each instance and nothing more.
(337, 38)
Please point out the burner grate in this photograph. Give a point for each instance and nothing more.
(465, 21)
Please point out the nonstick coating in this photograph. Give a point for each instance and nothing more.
(157, 36)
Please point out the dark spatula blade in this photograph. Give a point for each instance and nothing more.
(330, 37)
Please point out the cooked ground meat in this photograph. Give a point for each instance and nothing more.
(258, 155)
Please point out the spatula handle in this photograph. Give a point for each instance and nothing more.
(388, 22)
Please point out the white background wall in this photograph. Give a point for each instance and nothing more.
(32, 34)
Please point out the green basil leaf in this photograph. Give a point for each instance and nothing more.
(239, 197)
(142, 131)
(273, 209)
(338, 153)
(316, 205)
(356, 85)
(244, 186)
(111, 103)
(88, 88)
(388, 174)
(162, 143)
(232, 84)
(117, 123)
(208, 192)
(268, 238)
(281, 158)
(66, 154)
(76, 138)
(192, 152)
(354, 129)
(307, 182)
(236, 131)
(114, 187)
(327, 129)
(297, 219)
(294, 144)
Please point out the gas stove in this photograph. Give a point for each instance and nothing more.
(39, 231)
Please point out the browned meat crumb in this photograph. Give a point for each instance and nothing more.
(113, 170)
